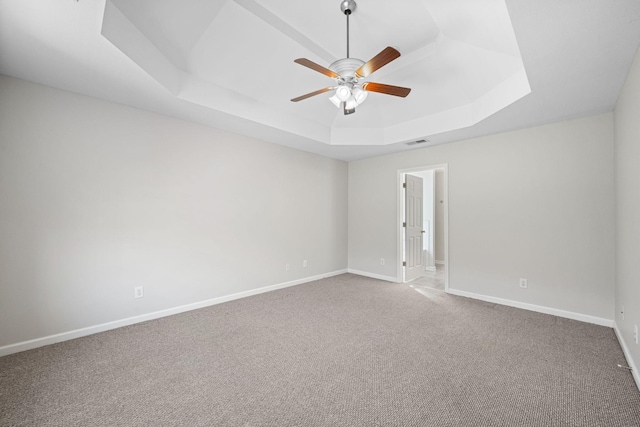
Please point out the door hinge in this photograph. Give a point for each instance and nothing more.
(404, 185)
(404, 224)
(404, 263)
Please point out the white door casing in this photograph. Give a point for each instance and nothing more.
(413, 227)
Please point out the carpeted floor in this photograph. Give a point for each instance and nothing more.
(343, 351)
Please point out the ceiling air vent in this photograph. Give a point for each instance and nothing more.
(420, 141)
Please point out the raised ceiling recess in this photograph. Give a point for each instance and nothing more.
(460, 59)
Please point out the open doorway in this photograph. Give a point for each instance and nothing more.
(423, 226)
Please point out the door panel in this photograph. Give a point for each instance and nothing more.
(413, 229)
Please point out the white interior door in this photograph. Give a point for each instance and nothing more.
(413, 228)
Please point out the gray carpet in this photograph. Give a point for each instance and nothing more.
(344, 351)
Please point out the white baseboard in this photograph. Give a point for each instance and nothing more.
(429, 269)
(65, 336)
(627, 355)
(373, 275)
(439, 262)
(537, 308)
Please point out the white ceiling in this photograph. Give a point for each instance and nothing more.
(228, 64)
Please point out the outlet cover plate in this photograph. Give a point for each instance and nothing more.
(138, 292)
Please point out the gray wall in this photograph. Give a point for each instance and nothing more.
(536, 203)
(96, 198)
(627, 130)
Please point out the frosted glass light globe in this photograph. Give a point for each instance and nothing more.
(343, 93)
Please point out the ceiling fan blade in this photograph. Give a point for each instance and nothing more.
(309, 95)
(319, 68)
(387, 55)
(386, 89)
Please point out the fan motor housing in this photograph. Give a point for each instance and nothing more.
(346, 67)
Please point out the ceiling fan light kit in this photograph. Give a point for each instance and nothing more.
(350, 74)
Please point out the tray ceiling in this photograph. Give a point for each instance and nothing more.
(461, 60)
(229, 64)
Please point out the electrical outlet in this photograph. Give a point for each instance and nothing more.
(523, 283)
(622, 312)
(635, 333)
(286, 267)
(381, 261)
(304, 264)
(138, 292)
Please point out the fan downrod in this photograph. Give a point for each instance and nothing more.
(348, 7)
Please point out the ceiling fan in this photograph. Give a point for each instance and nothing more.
(351, 89)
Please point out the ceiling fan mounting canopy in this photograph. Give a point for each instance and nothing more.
(349, 74)
(348, 6)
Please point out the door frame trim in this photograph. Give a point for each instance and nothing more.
(400, 218)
